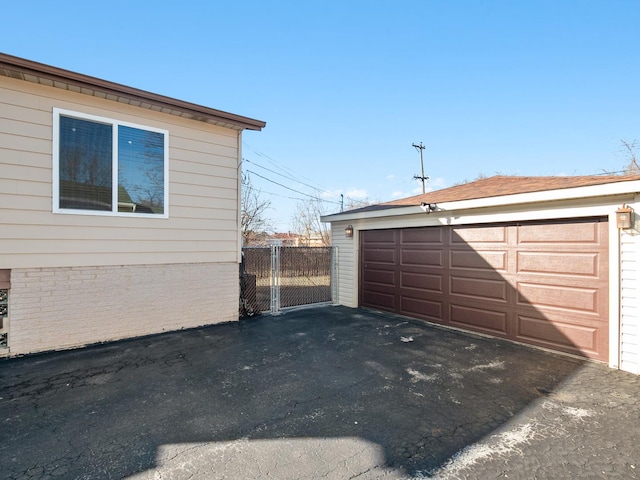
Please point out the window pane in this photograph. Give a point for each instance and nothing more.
(85, 164)
(140, 171)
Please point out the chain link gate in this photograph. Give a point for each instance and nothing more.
(273, 278)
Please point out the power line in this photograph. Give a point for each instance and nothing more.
(286, 176)
(274, 162)
(292, 189)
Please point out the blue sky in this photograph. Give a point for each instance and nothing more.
(544, 87)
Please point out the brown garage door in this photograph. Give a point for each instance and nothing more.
(542, 283)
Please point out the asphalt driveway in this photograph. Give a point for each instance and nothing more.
(328, 392)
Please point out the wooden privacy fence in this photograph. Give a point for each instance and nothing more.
(272, 278)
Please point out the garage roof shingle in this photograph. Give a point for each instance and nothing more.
(497, 186)
(500, 185)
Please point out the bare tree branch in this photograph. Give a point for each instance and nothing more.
(254, 222)
(632, 167)
(306, 223)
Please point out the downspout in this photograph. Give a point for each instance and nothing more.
(239, 203)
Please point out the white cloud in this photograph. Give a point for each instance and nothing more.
(390, 177)
(357, 193)
(437, 183)
(434, 184)
(330, 194)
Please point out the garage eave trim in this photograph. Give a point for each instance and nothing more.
(593, 191)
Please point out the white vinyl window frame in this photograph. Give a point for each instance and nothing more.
(57, 113)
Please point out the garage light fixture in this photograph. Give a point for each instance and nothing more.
(348, 232)
(428, 207)
(623, 217)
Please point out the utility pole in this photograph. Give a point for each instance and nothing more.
(342, 202)
(422, 178)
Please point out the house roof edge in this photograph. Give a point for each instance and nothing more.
(13, 66)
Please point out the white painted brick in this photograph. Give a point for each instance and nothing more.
(66, 307)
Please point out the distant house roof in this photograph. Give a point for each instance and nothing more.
(30, 71)
(497, 186)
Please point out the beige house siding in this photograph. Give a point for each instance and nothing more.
(629, 300)
(57, 308)
(203, 193)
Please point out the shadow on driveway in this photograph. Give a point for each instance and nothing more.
(324, 392)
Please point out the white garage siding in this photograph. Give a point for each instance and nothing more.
(347, 265)
(629, 298)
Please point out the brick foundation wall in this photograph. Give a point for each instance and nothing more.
(58, 308)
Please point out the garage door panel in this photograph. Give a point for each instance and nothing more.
(422, 236)
(381, 277)
(560, 297)
(479, 288)
(481, 235)
(479, 260)
(486, 321)
(379, 236)
(422, 258)
(385, 256)
(423, 308)
(580, 232)
(567, 337)
(543, 283)
(381, 300)
(422, 281)
(559, 263)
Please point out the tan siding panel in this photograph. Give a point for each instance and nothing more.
(229, 203)
(204, 180)
(207, 219)
(19, 172)
(17, 142)
(25, 129)
(12, 207)
(200, 131)
(204, 147)
(12, 112)
(14, 94)
(27, 159)
(182, 159)
(21, 187)
(203, 191)
(211, 167)
(203, 207)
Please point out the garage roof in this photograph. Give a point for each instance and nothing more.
(512, 189)
(30, 71)
(508, 185)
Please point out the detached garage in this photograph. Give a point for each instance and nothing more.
(538, 260)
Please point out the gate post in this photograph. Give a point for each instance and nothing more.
(334, 276)
(275, 279)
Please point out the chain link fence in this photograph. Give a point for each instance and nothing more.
(273, 278)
